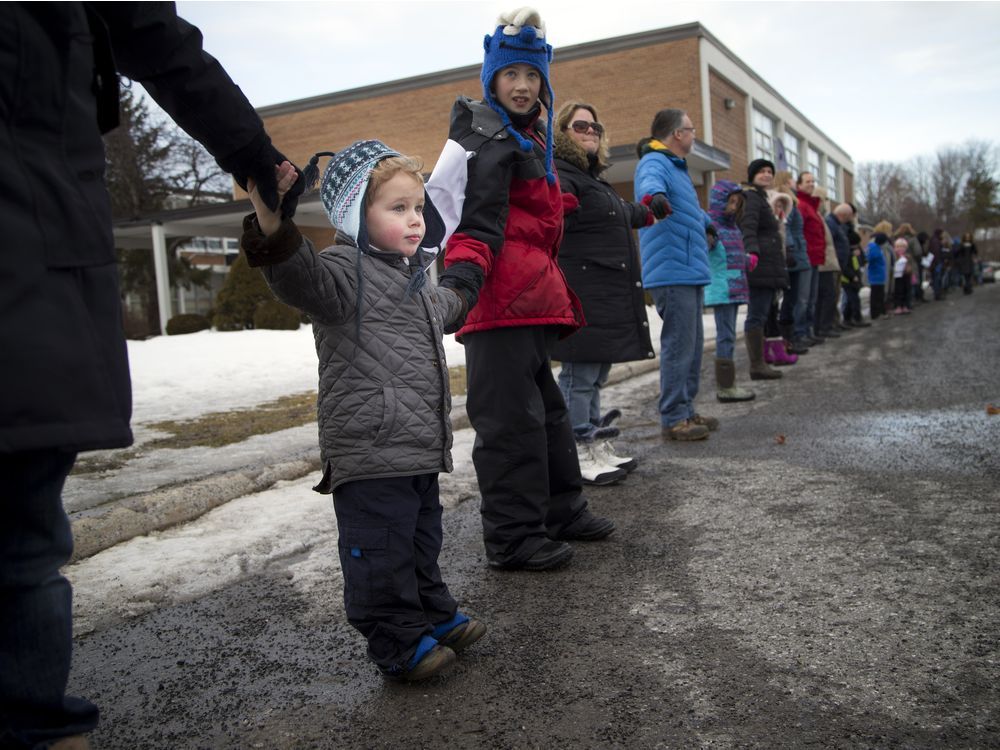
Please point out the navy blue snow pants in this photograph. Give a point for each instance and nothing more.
(390, 538)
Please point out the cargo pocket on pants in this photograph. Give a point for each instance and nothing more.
(364, 559)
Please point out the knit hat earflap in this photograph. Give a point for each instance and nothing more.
(520, 38)
(756, 165)
(345, 183)
(342, 192)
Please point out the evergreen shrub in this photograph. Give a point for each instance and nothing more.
(241, 294)
(272, 315)
(188, 323)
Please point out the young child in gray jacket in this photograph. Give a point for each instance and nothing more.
(384, 400)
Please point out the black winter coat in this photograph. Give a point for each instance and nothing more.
(964, 257)
(762, 237)
(63, 362)
(600, 259)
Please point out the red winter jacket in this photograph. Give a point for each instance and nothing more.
(812, 228)
(511, 227)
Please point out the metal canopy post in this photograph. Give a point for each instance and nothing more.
(162, 274)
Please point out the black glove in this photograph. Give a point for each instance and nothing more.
(466, 279)
(257, 160)
(660, 206)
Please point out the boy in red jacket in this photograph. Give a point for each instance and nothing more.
(496, 187)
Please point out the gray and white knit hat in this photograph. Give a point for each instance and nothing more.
(345, 182)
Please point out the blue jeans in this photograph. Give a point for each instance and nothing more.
(682, 339)
(937, 281)
(581, 383)
(725, 330)
(36, 638)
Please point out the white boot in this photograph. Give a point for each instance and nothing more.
(593, 469)
(605, 452)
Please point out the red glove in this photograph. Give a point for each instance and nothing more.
(570, 203)
(751, 262)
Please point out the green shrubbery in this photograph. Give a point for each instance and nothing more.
(187, 324)
(272, 315)
(242, 295)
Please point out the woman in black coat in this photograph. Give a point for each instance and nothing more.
(600, 259)
(964, 260)
(762, 240)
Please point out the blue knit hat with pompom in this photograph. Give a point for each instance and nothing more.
(520, 38)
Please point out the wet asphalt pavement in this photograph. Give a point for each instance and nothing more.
(822, 572)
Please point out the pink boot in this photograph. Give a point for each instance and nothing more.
(775, 354)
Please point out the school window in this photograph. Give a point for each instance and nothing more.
(793, 147)
(814, 164)
(831, 179)
(763, 135)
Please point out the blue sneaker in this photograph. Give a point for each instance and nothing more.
(429, 659)
(460, 632)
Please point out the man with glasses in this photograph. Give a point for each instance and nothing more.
(675, 270)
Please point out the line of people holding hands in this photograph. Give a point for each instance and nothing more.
(540, 262)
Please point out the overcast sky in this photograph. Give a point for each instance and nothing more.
(884, 80)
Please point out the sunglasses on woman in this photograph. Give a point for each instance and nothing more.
(582, 126)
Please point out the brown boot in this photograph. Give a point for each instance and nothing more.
(686, 430)
(759, 369)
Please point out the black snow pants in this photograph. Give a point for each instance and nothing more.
(390, 538)
(524, 453)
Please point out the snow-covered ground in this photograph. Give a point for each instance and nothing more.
(182, 377)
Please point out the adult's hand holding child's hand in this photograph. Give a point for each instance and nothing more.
(269, 220)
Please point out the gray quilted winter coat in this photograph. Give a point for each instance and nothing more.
(384, 401)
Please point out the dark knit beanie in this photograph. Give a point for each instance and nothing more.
(756, 165)
(520, 38)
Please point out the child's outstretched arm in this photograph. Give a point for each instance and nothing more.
(269, 220)
(296, 274)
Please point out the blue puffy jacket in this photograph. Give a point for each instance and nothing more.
(876, 264)
(674, 251)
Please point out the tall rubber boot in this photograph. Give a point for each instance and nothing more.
(726, 389)
(776, 354)
(759, 369)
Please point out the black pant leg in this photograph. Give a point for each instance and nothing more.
(36, 639)
(437, 601)
(788, 298)
(377, 521)
(566, 501)
(511, 452)
(771, 329)
(826, 301)
(877, 301)
(899, 290)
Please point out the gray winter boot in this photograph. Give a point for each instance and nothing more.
(759, 369)
(726, 389)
